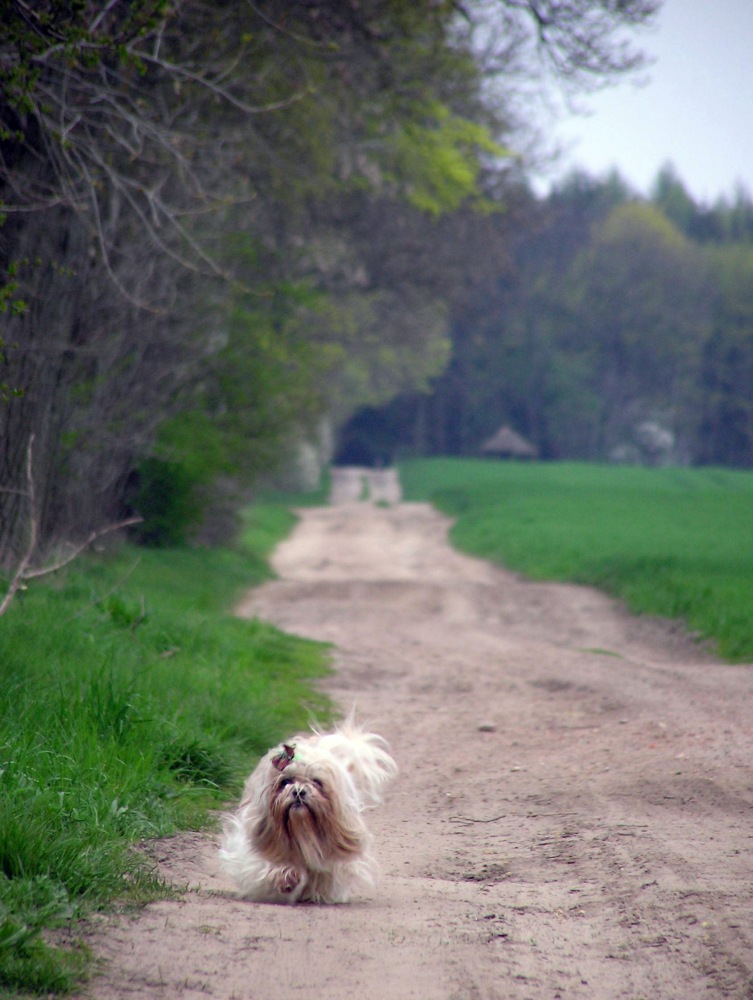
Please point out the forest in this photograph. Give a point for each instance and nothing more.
(240, 235)
(620, 330)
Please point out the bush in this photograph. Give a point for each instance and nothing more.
(167, 499)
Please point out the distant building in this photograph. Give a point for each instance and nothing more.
(506, 443)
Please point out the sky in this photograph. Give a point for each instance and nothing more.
(695, 110)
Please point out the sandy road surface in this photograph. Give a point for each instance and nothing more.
(574, 815)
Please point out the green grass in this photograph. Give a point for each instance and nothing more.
(131, 704)
(670, 542)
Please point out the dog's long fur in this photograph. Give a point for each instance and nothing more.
(298, 834)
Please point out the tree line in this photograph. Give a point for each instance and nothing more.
(223, 223)
(620, 328)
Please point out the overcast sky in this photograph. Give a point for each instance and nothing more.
(696, 109)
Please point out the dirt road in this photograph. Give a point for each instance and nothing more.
(574, 815)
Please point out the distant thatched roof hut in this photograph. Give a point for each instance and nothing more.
(506, 443)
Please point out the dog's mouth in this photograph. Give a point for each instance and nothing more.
(297, 804)
(299, 820)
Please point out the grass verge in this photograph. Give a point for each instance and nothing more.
(671, 542)
(131, 702)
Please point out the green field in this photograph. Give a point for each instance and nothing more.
(132, 704)
(671, 542)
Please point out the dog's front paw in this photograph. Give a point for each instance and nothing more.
(287, 880)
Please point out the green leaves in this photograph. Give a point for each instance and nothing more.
(437, 162)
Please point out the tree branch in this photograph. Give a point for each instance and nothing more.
(32, 574)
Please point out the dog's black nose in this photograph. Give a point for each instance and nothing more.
(299, 793)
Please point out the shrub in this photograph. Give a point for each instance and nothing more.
(167, 499)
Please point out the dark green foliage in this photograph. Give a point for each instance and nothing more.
(167, 500)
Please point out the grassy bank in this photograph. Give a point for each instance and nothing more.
(131, 702)
(671, 542)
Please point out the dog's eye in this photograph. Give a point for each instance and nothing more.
(284, 782)
(319, 784)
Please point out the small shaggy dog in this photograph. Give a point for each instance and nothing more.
(298, 834)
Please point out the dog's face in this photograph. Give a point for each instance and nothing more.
(299, 799)
(306, 819)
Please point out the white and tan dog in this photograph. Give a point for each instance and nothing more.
(299, 834)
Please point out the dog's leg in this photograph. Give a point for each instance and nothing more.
(290, 883)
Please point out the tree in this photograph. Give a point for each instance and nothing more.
(638, 293)
(588, 340)
(112, 124)
(138, 139)
(725, 428)
(510, 322)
